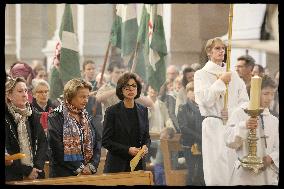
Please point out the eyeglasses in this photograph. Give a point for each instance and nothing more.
(42, 92)
(127, 86)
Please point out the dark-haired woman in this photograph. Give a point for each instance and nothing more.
(125, 127)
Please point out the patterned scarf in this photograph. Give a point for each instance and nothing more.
(20, 118)
(76, 137)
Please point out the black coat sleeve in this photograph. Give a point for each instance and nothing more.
(146, 134)
(171, 108)
(55, 140)
(185, 125)
(40, 141)
(97, 138)
(108, 140)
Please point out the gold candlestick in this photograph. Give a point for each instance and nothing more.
(251, 161)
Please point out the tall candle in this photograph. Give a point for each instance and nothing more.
(255, 90)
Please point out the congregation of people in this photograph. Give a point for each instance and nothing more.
(119, 112)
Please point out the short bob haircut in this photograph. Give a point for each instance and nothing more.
(122, 82)
(72, 86)
(39, 82)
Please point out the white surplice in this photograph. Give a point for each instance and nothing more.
(209, 92)
(267, 144)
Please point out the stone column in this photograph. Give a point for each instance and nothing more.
(94, 26)
(10, 35)
(185, 43)
(31, 31)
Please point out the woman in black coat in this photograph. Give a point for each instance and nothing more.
(23, 134)
(190, 121)
(75, 145)
(125, 127)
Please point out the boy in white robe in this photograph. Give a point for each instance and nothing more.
(267, 144)
(210, 88)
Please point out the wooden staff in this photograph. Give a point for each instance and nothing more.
(94, 109)
(228, 62)
(135, 58)
(105, 61)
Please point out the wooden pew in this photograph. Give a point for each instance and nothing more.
(173, 177)
(111, 179)
(100, 167)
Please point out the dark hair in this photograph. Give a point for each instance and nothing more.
(184, 80)
(122, 81)
(267, 81)
(119, 64)
(249, 60)
(87, 62)
(260, 68)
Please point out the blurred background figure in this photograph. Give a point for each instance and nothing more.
(169, 99)
(22, 69)
(177, 86)
(98, 77)
(274, 107)
(40, 71)
(187, 76)
(106, 93)
(41, 101)
(172, 72)
(182, 68)
(190, 121)
(258, 70)
(89, 73)
(159, 120)
(244, 67)
(196, 66)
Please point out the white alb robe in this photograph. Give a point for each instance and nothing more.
(236, 138)
(209, 92)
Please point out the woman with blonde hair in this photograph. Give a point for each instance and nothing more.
(23, 133)
(75, 145)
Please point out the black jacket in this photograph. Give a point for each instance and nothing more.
(117, 137)
(48, 107)
(190, 122)
(38, 143)
(170, 102)
(59, 167)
